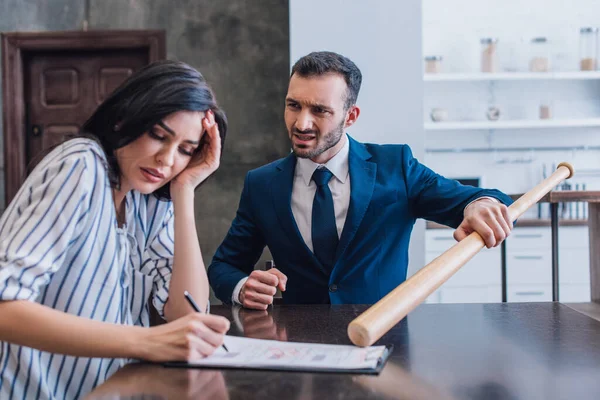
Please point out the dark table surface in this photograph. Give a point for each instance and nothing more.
(441, 351)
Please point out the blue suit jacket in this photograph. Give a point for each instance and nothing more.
(390, 189)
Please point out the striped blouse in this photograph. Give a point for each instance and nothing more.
(61, 246)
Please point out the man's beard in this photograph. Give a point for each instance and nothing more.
(328, 141)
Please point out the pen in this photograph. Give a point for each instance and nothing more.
(190, 300)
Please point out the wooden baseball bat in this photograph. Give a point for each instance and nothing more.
(376, 321)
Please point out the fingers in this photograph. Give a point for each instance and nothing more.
(211, 137)
(259, 298)
(281, 278)
(199, 347)
(265, 277)
(209, 329)
(258, 291)
(507, 218)
(210, 116)
(491, 232)
(211, 127)
(499, 222)
(252, 317)
(255, 305)
(282, 334)
(490, 220)
(195, 347)
(505, 227)
(215, 322)
(259, 325)
(460, 233)
(204, 333)
(195, 336)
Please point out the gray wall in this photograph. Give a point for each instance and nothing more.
(241, 47)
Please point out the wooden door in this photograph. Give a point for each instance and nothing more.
(64, 88)
(53, 81)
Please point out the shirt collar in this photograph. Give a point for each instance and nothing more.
(338, 165)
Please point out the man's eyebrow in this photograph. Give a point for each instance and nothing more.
(172, 132)
(308, 103)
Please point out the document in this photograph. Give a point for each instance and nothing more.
(249, 353)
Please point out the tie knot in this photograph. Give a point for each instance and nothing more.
(321, 176)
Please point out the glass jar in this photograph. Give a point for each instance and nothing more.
(588, 39)
(539, 61)
(433, 64)
(546, 110)
(489, 55)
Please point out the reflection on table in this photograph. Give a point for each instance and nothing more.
(156, 382)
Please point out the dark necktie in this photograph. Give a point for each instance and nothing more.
(324, 232)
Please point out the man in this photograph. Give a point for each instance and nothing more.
(337, 214)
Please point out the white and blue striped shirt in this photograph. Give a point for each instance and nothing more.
(60, 246)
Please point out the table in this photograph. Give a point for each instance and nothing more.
(441, 351)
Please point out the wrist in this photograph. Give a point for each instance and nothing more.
(137, 343)
(180, 190)
(485, 198)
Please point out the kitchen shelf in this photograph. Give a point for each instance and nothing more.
(512, 76)
(515, 124)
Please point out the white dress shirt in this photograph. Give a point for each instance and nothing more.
(304, 189)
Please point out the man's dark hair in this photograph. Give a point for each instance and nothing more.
(326, 62)
(149, 95)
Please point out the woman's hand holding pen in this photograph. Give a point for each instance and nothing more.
(188, 338)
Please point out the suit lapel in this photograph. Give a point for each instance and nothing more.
(362, 184)
(281, 193)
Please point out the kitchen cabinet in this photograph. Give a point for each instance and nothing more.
(529, 267)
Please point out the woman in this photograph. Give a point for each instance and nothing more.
(104, 223)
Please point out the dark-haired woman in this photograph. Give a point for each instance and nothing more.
(103, 225)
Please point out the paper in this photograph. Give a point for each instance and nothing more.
(257, 353)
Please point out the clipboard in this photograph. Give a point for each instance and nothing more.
(291, 368)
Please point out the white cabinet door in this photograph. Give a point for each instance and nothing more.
(483, 294)
(574, 266)
(528, 267)
(439, 240)
(483, 269)
(529, 238)
(529, 293)
(573, 237)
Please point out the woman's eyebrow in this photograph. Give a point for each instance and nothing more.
(172, 132)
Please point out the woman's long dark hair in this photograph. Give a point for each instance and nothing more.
(144, 99)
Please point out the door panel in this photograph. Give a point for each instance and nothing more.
(63, 88)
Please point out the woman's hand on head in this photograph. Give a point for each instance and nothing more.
(205, 161)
